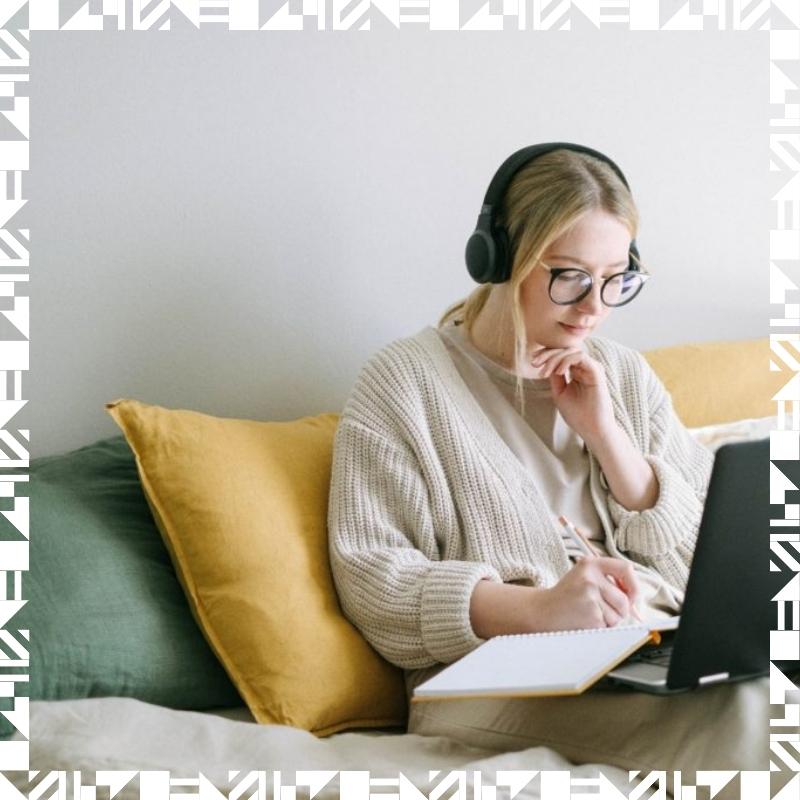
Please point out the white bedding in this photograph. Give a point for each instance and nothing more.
(126, 734)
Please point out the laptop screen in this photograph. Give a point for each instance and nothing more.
(728, 610)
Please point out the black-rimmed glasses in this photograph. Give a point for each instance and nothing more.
(570, 285)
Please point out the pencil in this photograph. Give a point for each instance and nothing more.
(579, 537)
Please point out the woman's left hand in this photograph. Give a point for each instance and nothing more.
(584, 402)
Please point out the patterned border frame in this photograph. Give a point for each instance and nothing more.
(780, 18)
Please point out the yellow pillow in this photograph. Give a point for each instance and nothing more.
(713, 382)
(242, 507)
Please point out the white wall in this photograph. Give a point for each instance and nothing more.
(233, 222)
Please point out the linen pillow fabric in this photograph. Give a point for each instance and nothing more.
(744, 430)
(242, 506)
(105, 611)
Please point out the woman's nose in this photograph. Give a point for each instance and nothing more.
(592, 304)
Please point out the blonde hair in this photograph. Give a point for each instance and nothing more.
(545, 198)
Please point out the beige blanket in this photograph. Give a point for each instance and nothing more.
(124, 734)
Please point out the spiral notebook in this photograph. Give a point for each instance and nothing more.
(534, 664)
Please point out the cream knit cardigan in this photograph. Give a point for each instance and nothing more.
(426, 499)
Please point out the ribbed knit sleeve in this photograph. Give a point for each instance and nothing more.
(664, 535)
(412, 607)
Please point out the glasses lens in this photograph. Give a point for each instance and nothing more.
(622, 288)
(569, 286)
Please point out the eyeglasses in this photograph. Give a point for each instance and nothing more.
(570, 285)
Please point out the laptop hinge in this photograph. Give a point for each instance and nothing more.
(715, 678)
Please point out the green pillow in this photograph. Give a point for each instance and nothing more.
(105, 611)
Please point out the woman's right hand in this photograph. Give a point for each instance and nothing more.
(583, 598)
(586, 598)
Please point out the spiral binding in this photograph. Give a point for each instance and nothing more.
(629, 627)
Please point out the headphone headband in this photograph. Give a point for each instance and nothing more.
(488, 252)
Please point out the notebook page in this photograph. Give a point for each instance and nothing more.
(565, 662)
(662, 623)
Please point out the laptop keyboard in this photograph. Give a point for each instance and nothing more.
(654, 655)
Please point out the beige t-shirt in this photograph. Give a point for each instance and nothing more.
(552, 452)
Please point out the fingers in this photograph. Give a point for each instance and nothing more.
(559, 361)
(548, 359)
(623, 573)
(571, 360)
(613, 586)
(598, 591)
(616, 605)
(604, 603)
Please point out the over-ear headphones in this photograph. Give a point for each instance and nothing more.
(488, 251)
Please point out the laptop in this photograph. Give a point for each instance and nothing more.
(723, 632)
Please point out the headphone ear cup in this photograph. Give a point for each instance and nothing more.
(502, 267)
(481, 255)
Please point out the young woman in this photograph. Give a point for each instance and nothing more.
(461, 447)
